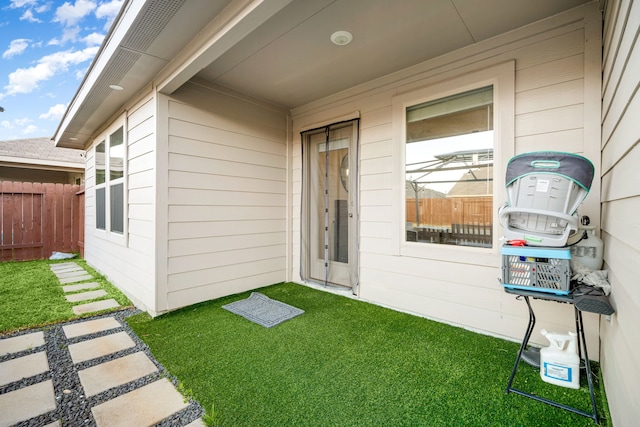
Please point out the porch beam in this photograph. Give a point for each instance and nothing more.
(234, 23)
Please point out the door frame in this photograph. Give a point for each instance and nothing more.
(339, 274)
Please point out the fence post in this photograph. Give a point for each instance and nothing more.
(80, 219)
(39, 222)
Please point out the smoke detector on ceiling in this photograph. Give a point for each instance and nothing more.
(341, 38)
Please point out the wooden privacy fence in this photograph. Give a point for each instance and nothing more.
(38, 219)
(443, 212)
(455, 221)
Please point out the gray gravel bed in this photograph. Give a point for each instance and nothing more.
(73, 407)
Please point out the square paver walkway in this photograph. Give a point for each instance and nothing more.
(97, 347)
(95, 306)
(90, 327)
(41, 400)
(21, 343)
(116, 372)
(23, 367)
(145, 406)
(83, 296)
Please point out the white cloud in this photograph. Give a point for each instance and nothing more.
(28, 16)
(55, 113)
(23, 121)
(109, 9)
(6, 124)
(70, 34)
(16, 4)
(16, 47)
(81, 73)
(25, 80)
(70, 15)
(29, 129)
(30, 6)
(93, 39)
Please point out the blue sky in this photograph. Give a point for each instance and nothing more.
(46, 48)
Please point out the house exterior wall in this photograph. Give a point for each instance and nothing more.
(226, 195)
(129, 263)
(620, 206)
(555, 101)
(8, 173)
(39, 160)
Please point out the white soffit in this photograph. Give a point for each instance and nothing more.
(147, 35)
(279, 50)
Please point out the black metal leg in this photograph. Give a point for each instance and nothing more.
(582, 346)
(582, 342)
(525, 341)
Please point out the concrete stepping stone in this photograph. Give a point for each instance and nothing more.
(116, 372)
(67, 270)
(86, 276)
(21, 343)
(80, 287)
(40, 397)
(23, 367)
(63, 265)
(83, 296)
(90, 327)
(66, 266)
(70, 274)
(145, 406)
(95, 306)
(196, 423)
(97, 347)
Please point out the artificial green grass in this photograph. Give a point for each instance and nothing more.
(31, 295)
(348, 363)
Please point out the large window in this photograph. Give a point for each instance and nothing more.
(449, 169)
(110, 185)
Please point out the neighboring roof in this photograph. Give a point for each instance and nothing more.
(40, 153)
(476, 182)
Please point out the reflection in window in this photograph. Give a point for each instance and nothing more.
(449, 170)
(116, 155)
(100, 163)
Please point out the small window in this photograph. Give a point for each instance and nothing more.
(110, 160)
(100, 209)
(449, 170)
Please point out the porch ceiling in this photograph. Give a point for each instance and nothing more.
(291, 61)
(279, 50)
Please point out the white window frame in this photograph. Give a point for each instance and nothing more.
(502, 78)
(113, 236)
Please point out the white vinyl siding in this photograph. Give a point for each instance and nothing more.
(226, 200)
(620, 206)
(130, 266)
(559, 53)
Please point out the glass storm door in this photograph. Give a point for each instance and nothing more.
(329, 220)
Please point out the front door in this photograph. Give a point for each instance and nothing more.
(329, 228)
